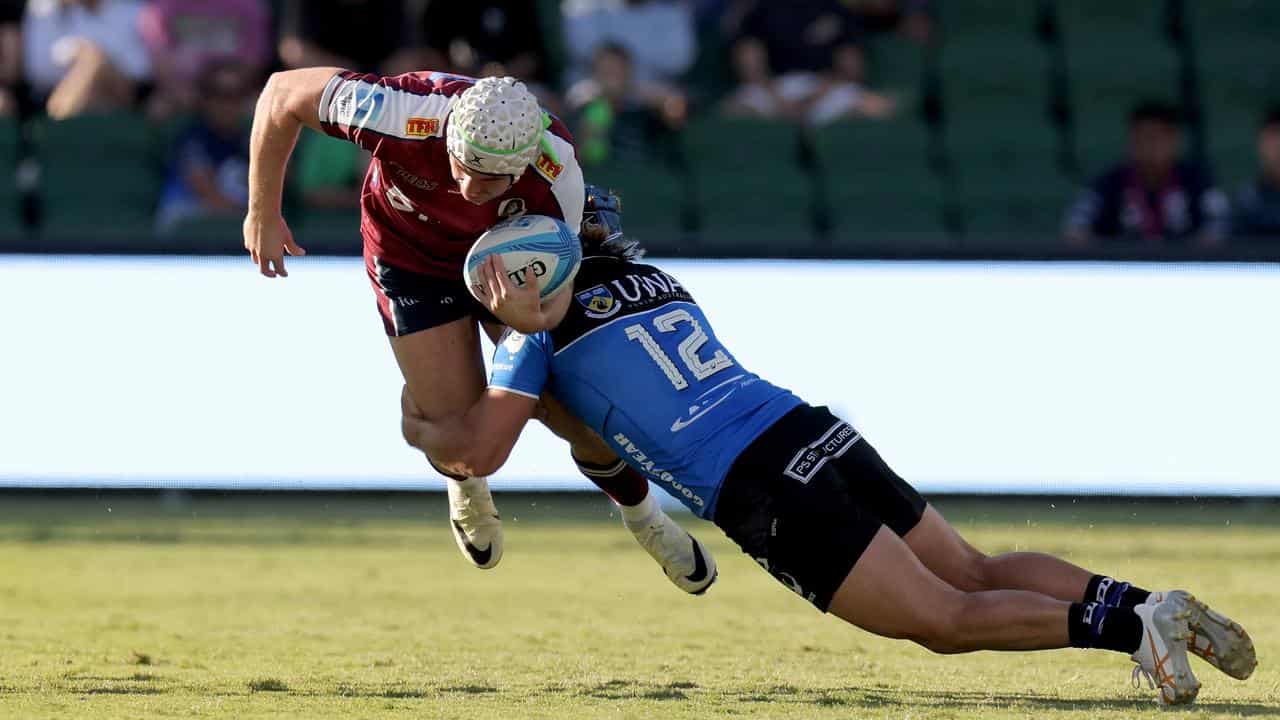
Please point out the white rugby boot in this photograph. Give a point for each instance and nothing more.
(474, 518)
(686, 563)
(1162, 652)
(1215, 638)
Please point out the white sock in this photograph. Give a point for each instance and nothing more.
(640, 514)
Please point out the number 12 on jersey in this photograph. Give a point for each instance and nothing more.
(687, 350)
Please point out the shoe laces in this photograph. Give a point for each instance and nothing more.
(1139, 673)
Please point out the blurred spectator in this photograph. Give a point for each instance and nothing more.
(209, 170)
(363, 35)
(801, 61)
(84, 55)
(658, 36)
(186, 37)
(616, 111)
(1156, 196)
(912, 18)
(10, 54)
(487, 37)
(330, 172)
(1257, 206)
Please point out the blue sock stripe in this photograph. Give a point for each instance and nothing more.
(1095, 614)
(1116, 593)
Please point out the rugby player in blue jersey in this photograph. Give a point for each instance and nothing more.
(799, 490)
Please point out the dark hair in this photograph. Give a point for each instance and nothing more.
(1155, 111)
(601, 233)
(598, 242)
(1271, 121)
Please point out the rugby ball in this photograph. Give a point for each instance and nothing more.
(533, 248)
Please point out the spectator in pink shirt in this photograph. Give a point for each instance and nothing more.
(186, 37)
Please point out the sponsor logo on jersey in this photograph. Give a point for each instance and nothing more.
(833, 443)
(652, 286)
(786, 578)
(599, 302)
(422, 127)
(409, 178)
(512, 341)
(549, 168)
(511, 207)
(706, 401)
(359, 105)
(641, 460)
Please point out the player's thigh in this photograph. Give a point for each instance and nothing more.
(442, 366)
(929, 536)
(431, 323)
(948, 555)
(793, 511)
(891, 593)
(878, 489)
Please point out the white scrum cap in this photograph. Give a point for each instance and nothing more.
(496, 127)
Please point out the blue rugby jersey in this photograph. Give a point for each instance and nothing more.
(638, 362)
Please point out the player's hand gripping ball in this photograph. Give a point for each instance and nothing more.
(532, 249)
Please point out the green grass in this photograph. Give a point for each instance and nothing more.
(361, 608)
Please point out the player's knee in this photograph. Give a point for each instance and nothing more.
(409, 431)
(974, 571)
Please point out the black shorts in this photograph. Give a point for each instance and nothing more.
(806, 498)
(410, 302)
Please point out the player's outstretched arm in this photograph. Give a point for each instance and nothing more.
(475, 443)
(290, 100)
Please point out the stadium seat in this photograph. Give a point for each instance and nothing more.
(894, 65)
(10, 217)
(880, 189)
(1006, 158)
(653, 198)
(1118, 55)
(752, 194)
(213, 234)
(1234, 42)
(109, 198)
(1003, 146)
(327, 231)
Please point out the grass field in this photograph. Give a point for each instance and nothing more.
(124, 607)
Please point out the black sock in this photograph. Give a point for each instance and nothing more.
(1112, 592)
(1094, 625)
(618, 480)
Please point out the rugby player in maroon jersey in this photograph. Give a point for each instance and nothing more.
(451, 156)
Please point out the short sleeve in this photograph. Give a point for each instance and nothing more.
(365, 108)
(521, 364)
(568, 186)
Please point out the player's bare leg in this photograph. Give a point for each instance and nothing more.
(686, 563)
(891, 593)
(937, 544)
(1215, 638)
(444, 373)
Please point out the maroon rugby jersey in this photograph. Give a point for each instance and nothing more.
(412, 215)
